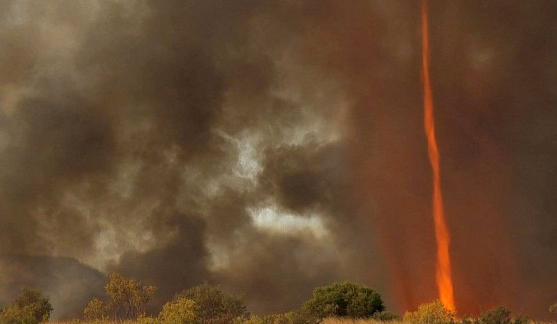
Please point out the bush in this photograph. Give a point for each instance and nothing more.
(385, 316)
(500, 315)
(16, 315)
(215, 307)
(96, 309)
(29, 307)
(254, 319)
(179, 311)
(126, 299)
(431, 313)
(343, 299)
(289, 318)
(142, 319)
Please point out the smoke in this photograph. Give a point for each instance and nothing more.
(274, 146)
(491, 64)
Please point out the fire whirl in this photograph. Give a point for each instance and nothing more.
(443, 267)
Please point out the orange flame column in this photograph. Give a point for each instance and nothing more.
(443, 273)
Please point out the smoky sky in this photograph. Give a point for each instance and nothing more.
(273, 146)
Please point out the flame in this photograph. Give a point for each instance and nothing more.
(443, 267)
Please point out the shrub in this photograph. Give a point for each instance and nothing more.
(15, 315)
(289, 318)
(142, 319)
(34, 301)
(385, 316)
(343, 299)
(500, 315)
(254, 319)
(215, 307)
(179, 311)
(96, 309)
(430, 313)
(126, 299)
(29, 307)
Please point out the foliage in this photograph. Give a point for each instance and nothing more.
(181, 310)
(143, 319)
(34, 300)
(15, 315)
(126, 299)
(430, 313)
(29, 307)
(499, 315)
(385, 316)
(215, 307)
(343, 299)
(96, 309)
(289, 318)
(349, 320)
(254, 319)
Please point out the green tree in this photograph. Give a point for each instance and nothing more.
(181, 310)
(430, 313)
(343, 299)
(126, 299)
(215, 307)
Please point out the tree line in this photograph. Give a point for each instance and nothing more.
(126, 299)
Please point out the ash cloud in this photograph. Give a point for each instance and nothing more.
(152, 138)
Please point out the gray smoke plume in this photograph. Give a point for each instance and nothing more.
(273, 146)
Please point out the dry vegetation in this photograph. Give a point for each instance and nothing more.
(338, 320)
(339, 303)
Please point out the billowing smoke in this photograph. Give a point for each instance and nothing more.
(272, 146)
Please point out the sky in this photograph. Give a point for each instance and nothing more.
(274, 146)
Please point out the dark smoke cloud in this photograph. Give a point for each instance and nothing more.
(274, 146)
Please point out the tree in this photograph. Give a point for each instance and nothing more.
(15, 315)
(215, 307)
(36, 302)
(430, 313)
(126, 299)
(96, 309)
(29, 307)
(500, 315)
(181, 310)
(343, 299)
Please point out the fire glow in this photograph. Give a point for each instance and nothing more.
(443, 270)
